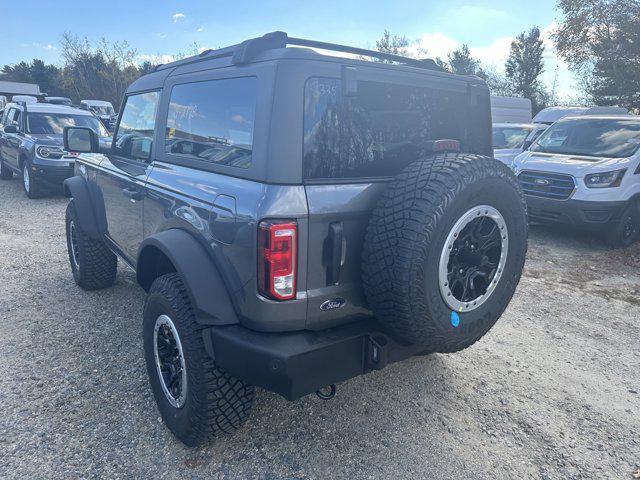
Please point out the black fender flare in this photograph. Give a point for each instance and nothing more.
(87, 199)
(207, 290)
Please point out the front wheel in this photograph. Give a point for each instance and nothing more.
(196, 398)
(627, 231)
(93, 265)
(31, 185)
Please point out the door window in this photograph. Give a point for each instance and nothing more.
(134, 137)
(213, 121)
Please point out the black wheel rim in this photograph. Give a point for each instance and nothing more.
(170, 362)
(473, 258)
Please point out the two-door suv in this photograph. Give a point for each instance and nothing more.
(296, 219)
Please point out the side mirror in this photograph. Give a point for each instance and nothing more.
(10, 129)
(80, 140)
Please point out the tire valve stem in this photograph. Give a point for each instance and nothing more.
(327, 393)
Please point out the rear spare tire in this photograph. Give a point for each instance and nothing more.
(444, 250)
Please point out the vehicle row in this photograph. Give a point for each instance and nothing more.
(583, 170)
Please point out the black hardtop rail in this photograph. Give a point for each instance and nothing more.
(248, 50)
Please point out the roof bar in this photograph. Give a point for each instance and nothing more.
(246, 51)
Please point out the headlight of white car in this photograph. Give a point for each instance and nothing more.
(604, 179)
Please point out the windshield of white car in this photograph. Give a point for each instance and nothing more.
(102, 110)
(606, 137)
(510, 136)
(54, 123)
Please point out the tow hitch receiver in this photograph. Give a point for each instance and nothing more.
(327, 393)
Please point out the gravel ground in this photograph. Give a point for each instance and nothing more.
(553, 391)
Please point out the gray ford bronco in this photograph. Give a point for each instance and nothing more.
(296, 219)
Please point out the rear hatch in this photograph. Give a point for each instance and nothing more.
(353, 147)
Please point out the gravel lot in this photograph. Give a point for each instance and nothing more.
(553, 391)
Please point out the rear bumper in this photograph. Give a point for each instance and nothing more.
(296, 364)
(579, 213)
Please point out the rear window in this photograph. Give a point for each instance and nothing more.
(377, 132)
(213, 121)
(591, 137)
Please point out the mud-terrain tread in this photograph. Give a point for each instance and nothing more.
(401, 228)
(98, 264)
(222, 402)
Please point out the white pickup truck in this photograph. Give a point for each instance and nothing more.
(585, 171)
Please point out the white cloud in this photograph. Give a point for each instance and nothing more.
(178, 16)
(200, 28)
(45, 46)
(155, 59)
(495, 54)
(161, 35)
(434, 44)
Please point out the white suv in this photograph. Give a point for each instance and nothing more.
(585, 171)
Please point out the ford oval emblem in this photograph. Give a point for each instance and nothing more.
(333, 304)
(541, 181)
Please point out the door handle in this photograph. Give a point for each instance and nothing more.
(133, 193)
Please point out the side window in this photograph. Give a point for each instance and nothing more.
(213, 121)
(134, 137)
(379, 131)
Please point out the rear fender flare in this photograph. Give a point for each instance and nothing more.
(207, 290)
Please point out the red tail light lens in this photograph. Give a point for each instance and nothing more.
(446, 145)
(277, 257)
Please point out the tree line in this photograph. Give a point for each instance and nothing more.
(599, 39)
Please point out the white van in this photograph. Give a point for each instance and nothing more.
(585, 171)
(553, 114)
(510, 109)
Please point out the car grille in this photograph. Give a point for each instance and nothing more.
(547, 185)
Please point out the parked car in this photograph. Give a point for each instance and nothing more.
(585, 171)
(31, 143)
(511, 139)
(296, 219)
(28, 99)
(59, 101)
(103, 110)
(553, 114)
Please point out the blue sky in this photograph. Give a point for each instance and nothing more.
(166, 28)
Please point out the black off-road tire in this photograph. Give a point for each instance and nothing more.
(5, 172)
(406, 237)
(215, 402)
(95, 266)
(36, 188)
(627, 231)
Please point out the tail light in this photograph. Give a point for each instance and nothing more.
(446, 145)
(277, 257)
